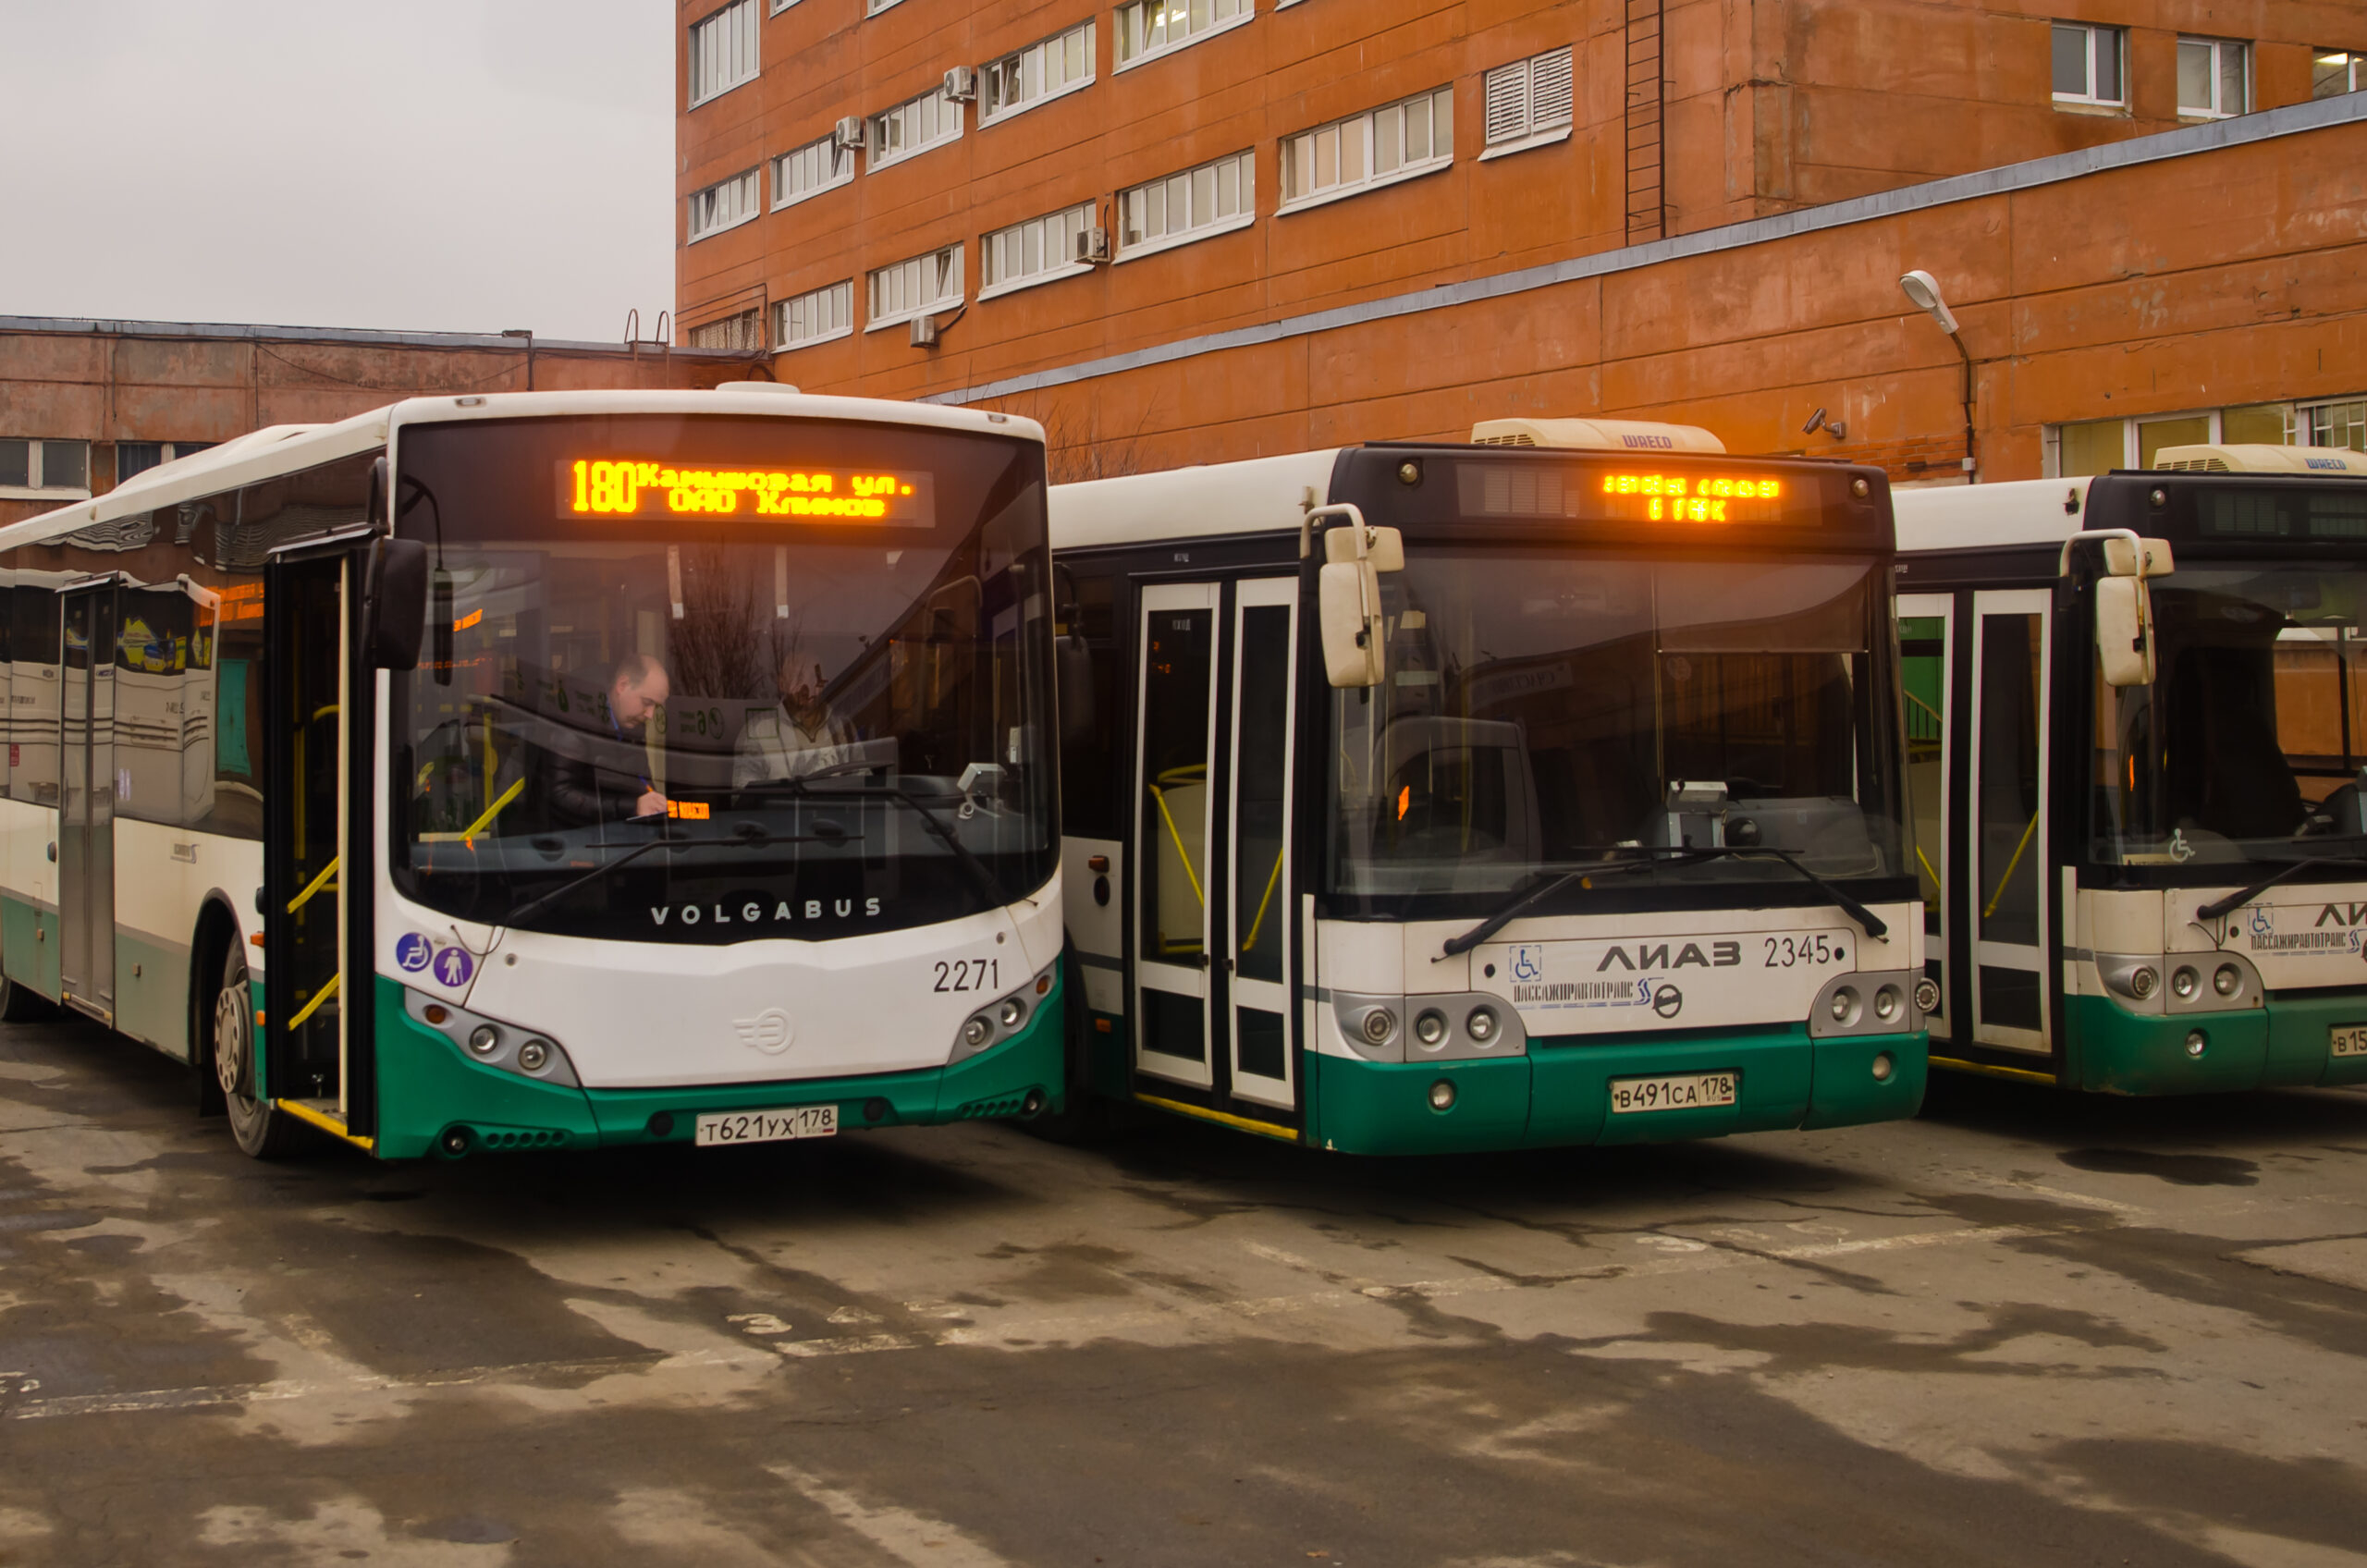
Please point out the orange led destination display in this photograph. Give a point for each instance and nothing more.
(1692, 497)
(631, 487)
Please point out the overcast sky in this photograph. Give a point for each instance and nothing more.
(444, 165)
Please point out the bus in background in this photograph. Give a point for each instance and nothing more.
(548, 771)
(1541, 790)
(2139, 745)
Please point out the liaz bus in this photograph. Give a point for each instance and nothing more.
(1539, 790)
(2138, 745)
(549, 770)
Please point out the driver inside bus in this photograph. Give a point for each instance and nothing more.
(797, 737)
(582, 790)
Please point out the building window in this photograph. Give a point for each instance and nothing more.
(1212, 198)
(1379, 147)
(1058, 65)
(913, 127)
(1036, 252)
(1528, 102)
(723, 51)
(873, 7)
(2087, 64)
(2213, 80)
(724, 204)
(810, 170)
(1147, 27)
(921, 287)
(817, 317)
(30, 465)
(780, 5)
(2334, 72)
(2099, 445)
(2336, 425)
(743, 330)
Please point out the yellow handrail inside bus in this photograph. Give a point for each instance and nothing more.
(1275, 877)
(1924, 705)
(470, 834)
(323, 713)
(1999, 896)
(1182, 854)
(309, 1007)
(318, 883)
(1935, 875)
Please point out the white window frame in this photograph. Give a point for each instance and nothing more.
(1199, 35)
(2132, 438)
(752, 206)
(2352, 60)
(2219, 47)
(753, 315)
(1367, 130)
(38, 487)
(780, 5)
(829, 146)
(1063, 222)
(2096, 31)
(783, 343)
(1551, 70)
(949, 260)
(739, 15)
(2305, 415)
(873, 7)
(1038, 49)
(875, 129)
(1246, 178)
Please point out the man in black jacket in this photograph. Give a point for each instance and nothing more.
(579, 792)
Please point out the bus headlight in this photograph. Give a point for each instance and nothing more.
(2141, 981)
(1442, 1095)
(1379, 1025)
(484, 1039)
(2227, 981)
(1481, 1024)
(2184, 983)
(535, 1054)
(1886, 1003)
(1927, 994)
(1429, 1028)
(1014, 1012)
(976, 1033)
(1845, 1005)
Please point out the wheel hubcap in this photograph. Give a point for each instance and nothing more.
(233, 1029)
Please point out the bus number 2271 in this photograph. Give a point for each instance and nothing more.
(970, 974)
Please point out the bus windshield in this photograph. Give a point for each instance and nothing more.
(2253, 735)
(1544, 711)
(706, 679)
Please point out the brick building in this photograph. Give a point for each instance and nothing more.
(84, 404)
(1322, 223)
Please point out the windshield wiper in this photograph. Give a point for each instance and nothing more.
(1875, 927)
(2243, 896)
(757, 840)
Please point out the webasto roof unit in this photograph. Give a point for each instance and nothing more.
(2262, 460)
(1594, 435)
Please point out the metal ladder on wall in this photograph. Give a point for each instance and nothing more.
(1646, 102)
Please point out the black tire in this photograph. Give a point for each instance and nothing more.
(261, 1129)
(1085, 1118)
(22, 1004)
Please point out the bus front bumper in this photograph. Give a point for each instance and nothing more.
(2287, 1043)
(428, 1092)
(1560, 1092)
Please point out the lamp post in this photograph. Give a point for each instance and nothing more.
(528, 334)
(1922, 291)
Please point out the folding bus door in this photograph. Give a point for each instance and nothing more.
(1174, 812)
(2002, 902)
(86, 803)
(1927, 665)
(1260, 932)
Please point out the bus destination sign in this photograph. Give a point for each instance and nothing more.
(1623, 494)
(1691, 498)
(631, 487)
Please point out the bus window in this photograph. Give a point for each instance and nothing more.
(1922, 648)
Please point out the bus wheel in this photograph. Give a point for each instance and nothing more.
(262, 1130)
(22, 1004)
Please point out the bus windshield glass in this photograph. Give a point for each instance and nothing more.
(706, 679)
(1546, 711)
(2250, 743)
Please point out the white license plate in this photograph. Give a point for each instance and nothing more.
(766, 1126)
(1673, 1091)
(2350, 1040)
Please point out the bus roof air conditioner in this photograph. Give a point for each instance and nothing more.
(1596, 436)
(2261, 459)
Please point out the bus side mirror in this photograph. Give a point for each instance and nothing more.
(1348, 607)
(394, 603)
(1073, 671)
(2125, 630)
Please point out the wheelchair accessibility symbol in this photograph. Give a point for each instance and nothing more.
(1528, 961)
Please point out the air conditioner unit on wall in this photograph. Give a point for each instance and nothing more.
(961, 85)
(1092, 245)
(924, 333)
(848, 133)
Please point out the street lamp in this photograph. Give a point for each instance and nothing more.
(1922, 291)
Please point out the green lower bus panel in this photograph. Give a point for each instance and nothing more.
(427, 1088)
(2287, 1044)
(30, 937)
(1560, 1092)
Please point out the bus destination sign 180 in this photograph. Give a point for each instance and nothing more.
(633, 487)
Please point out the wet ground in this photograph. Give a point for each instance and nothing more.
(2025, 1329)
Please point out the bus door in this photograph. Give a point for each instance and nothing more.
(1213, 885)
(86, 800)
(317, 728)
(1926, 668)
(2002, 902)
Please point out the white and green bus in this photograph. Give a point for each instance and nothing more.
(2138, 742)
(1541, 790)
(550, 770)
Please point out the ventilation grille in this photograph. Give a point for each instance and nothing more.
(2196, 465)
(520, 1138)
(1523, 439)
(1010, 1105)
